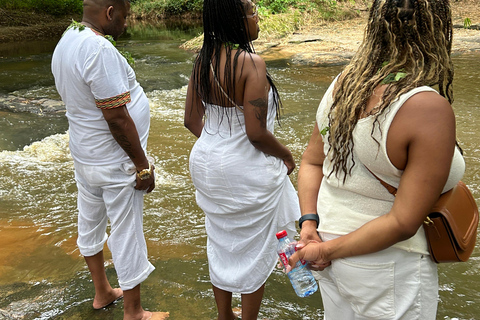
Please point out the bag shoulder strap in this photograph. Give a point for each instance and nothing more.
(223, 91)
(391, 189)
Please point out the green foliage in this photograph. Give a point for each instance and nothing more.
(174, 7)
(277, 6)
(127, 55)
(75, 25)
(324, 131)
(166, 7)
(282, 6)
(394, 77)
(279, 25)
(139, 7)
(53, 7)
(467, 23)
(326, 9)
(275, 26)
(272, 26)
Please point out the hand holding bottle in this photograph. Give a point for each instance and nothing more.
(311, 252)
(300, 276)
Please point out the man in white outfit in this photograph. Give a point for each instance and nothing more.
(109, 120)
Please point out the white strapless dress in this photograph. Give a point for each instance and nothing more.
(247, 198)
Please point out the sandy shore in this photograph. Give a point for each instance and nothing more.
(334, 42)
(328, 42)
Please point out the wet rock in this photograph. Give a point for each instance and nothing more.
(303, 38)
(37, 106)
(472, 27)
(320, 59)
(4, 315)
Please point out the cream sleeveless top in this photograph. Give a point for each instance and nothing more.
(343, 208)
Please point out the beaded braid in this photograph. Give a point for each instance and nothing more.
(411, 36)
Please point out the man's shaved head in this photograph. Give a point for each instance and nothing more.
(106, 16)
(104, 3)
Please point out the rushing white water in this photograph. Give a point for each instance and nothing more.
(47, 151)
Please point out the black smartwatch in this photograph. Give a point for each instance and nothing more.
(308, 216)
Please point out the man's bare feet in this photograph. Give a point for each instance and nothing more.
(101, 302)
(237, 312)
(155, 315)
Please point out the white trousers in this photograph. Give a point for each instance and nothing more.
(388, 285)
(107, 193)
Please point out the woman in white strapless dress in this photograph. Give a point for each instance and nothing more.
(239, 169)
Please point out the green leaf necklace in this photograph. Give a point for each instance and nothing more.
(127, 55)
(394, 77)
(232, 46)
(390, 78)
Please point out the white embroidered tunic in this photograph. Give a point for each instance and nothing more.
(86, 63)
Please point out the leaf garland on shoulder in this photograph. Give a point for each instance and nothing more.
(127, 55)
(394, 77)
(324, 131)
(232, 46)
(74, 25)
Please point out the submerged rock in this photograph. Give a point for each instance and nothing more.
(37, 106)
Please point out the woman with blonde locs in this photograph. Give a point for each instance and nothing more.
(238, 167)
(387, 115)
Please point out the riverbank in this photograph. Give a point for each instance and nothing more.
(314, 43)
(27, 26)
(335, 42)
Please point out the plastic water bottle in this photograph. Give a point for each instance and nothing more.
(301, 277)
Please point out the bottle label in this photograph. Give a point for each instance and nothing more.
(284, 258)
(302, 262)
(289, 250)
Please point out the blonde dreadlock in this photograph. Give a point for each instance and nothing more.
(411, 36)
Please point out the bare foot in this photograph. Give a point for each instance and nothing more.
(100, 303)
(237, 312)
(155, 315)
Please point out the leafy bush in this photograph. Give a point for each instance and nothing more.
(326, 8)
(166, 7)
(281, 6)
(58, 7)
(276, 6)
(53, 7)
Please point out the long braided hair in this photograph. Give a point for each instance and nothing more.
(408, 36)
(224, 25)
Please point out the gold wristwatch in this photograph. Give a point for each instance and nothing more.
(145, 173)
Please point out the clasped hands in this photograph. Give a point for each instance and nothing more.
(311, 249)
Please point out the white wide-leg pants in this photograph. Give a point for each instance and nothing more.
(107, 193)
(388, 285)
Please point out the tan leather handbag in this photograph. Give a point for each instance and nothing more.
(451, 227)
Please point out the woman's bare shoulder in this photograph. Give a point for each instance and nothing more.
(253, 60)
(428, 102)
(427, 111)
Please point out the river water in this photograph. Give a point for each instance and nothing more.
(42, 275)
